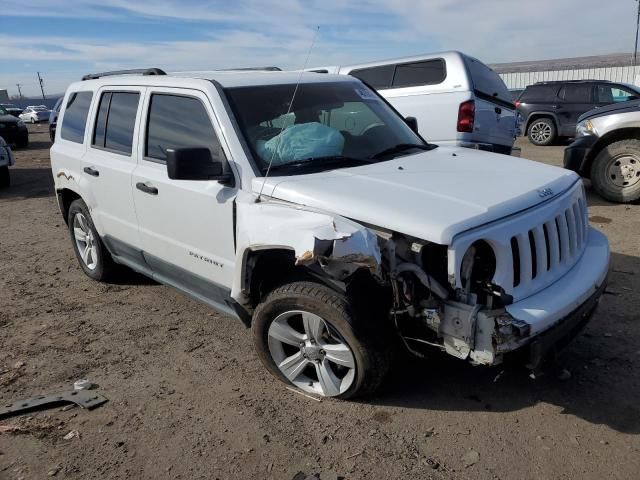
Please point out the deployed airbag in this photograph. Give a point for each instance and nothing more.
(300, 142)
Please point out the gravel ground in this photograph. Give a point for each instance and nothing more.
(189, 399)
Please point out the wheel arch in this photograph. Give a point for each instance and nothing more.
(629, 133)
(66, 197)
(541, 114)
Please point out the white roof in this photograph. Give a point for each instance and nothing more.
(224, 78)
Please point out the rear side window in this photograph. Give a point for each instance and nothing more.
(578, 93)
(377, 77)
(430, 72)
(75, 116)
(486, 82)
(115, 121)
(175, 122)
(540, 94)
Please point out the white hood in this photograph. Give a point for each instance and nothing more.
(432, 195)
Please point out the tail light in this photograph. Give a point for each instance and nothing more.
(466, 116)
(517, 104)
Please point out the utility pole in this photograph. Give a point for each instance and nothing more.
(635, 51)
(42, 85)
(19, 91)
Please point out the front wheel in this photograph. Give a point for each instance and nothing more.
(33, 120)
(5, 178)
(615, 173)
(308, 336)
(91, 253)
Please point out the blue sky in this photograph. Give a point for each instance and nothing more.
(65, 39)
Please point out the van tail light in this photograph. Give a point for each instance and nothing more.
(466, 116)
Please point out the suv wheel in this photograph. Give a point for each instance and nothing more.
(542, 132)
(615, 173)
(5, 179)
(92, 255)
(305, 334)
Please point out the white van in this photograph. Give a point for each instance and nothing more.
(457, 99)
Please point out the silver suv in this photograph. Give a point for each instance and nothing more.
(607, 151)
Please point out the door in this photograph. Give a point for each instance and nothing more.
(575, 99)
(108, 165)
(186, 226)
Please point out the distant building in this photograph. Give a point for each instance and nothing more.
(615, 67)
(4, 96)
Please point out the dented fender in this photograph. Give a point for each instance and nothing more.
(338, 245)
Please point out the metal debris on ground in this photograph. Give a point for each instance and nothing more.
(72, 434)
(82, 398)
(303, 394)
(83, 384)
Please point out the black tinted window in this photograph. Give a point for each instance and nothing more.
(419, 73)
(377, 77)
(101, 120)
(178, 122)
(578, 93)
(540, 94)
(75, 116)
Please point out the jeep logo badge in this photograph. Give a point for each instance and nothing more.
(545, 192)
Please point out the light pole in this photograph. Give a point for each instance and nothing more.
(635, 51)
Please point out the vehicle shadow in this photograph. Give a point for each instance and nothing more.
(29, 183)
(604, 362)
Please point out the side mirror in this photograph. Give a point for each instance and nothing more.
(195, 163)
(412, 122)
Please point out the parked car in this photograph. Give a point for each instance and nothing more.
(35, 114)
(11, 109)
(53, 119)
(6, 160)
(13, 130)
(306, 206)
(606, 150)
(457, 99)
(551, 109)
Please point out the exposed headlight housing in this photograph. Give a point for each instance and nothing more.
(585, 128)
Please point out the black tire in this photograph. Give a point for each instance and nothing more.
(371, 346)
(542, 132)
(5, 178)
(606, 177)
(105, 268)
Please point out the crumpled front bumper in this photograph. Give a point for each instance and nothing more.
(547, 321)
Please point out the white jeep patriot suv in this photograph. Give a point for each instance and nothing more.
(306, 206)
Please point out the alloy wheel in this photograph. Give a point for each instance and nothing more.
(541, 132)
(311, 354)
(85, 241)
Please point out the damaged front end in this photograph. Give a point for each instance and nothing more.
(425, 306)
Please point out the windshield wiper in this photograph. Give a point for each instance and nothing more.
(328, 161)
(399, 148)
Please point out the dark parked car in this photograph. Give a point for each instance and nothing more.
(12, 109)
(53, 119)
(13, 130)
(551, 109)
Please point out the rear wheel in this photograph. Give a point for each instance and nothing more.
(91, 253)
(542, 132)
(308, 336)
(615, 172)
(5, 179)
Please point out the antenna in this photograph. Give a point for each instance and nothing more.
(293, 97)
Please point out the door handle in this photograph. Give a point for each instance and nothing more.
(556, 106)
(146, 188)
(91, 171)
(498, 110)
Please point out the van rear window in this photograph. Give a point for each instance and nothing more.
(75, 116)
(486, 82)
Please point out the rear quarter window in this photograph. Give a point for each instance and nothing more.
(486, 81)
(378, 77)
(540, 94)
(429, 72)
(74, 122)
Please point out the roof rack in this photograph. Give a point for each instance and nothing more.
(552, 82)
(252, 69)
(138, 71)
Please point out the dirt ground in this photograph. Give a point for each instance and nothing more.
(189, 399)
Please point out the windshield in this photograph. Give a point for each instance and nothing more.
(332, 124)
